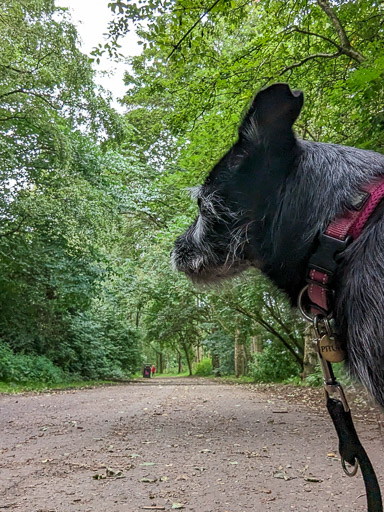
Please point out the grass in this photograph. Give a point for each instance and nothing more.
(172, 374)
(232, 379)
(12, 388)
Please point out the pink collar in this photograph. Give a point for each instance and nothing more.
(338, 235)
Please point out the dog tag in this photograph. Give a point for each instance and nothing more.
(331, 350)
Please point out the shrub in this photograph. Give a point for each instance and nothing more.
(204, 368)
(22, 368)
(221, 345)
(274, 364)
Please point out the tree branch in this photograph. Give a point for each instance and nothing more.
(14, 230)
(346, 47)
(27, 92)
(270, 329)
(307, 32)
(287, 331)
(191, 29)
(311, 57)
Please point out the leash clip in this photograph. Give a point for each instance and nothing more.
(335, 387)
(323, 329)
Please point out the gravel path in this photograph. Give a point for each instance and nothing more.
(169, 444)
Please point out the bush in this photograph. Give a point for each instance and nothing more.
(21, 368)
(274, 364)
(204, 368)
(221, 345)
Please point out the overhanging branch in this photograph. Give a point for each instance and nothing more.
(191, 29)
(346, 47)
(311, 57)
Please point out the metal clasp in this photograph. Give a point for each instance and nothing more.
(335, 387)
(322, 326)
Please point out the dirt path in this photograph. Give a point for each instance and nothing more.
(187, 443)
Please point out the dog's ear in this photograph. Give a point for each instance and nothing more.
(274, 110)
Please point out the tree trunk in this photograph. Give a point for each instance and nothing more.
(198, 352)
(187, 355)
(256, 344)
(310, 355)
(239, 355)
(179, 363)
(215, 364)
(161, 363)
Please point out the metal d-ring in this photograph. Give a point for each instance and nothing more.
(304, 314)
(300, 304)
(355, 467)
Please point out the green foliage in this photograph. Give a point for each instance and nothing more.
(60, 200)
(315, 379)
(204, 368)
(273, 365)
(221, 345)
(200, 66)
(21, 368)
(91, 201)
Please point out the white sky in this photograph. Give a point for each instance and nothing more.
(91, 18)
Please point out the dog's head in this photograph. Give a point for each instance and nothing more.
(240, 193)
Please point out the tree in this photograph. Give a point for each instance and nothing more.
(202, 63)
(58, 195)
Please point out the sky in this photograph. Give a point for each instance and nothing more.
(91, 18)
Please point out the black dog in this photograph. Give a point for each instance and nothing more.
(265, 202)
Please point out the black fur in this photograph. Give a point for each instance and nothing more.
(263, 205)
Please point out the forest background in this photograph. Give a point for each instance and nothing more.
(92, 200)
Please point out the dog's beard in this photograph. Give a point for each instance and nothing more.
(201, 272)
(204, 261)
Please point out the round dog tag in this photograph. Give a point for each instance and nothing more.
(331, 350)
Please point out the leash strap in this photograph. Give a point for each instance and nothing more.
(351, 450)
(322, 267)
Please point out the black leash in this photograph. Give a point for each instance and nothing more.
(352, 451)
(316, 305)
(350, 447)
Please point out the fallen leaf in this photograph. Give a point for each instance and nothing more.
(282, 476)
(147, 480)
(112, 473)
(312, 479)
(177, 505)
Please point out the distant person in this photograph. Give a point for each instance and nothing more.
(153, 370)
